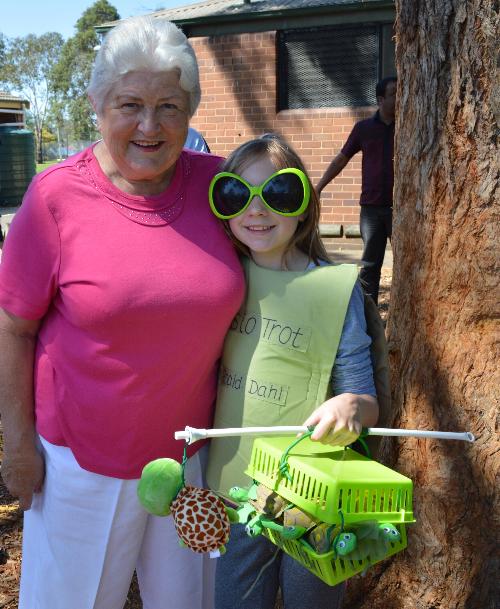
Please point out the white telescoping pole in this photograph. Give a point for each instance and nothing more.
(192, 434)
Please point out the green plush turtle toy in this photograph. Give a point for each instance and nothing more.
(369, 539)
(261, 508)
(201, 519)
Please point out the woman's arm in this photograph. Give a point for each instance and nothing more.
(22, 466)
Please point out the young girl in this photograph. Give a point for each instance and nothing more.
(299, 339)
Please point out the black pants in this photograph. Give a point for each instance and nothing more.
(376, 228)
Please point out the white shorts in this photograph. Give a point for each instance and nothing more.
(86, 533)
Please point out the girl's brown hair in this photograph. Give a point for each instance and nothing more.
(281, 155)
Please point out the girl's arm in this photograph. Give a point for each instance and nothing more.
(339, 420)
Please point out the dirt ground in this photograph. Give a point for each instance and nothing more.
(11, 516)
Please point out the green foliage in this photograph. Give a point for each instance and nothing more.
(3, 49)
(48, 136)
(100, 12)
(53, 75)
(26, 65)
(72, 72)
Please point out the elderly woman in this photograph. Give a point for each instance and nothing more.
(117, 286)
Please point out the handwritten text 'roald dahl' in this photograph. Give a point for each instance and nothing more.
(263, 390)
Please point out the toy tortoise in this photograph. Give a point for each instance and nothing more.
(201, 519)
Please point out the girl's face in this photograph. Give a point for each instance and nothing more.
(265, 233)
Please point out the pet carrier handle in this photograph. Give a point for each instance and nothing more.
(192, 434)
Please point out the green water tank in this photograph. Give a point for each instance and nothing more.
(17, 164)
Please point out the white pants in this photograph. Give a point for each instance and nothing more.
(85, 534)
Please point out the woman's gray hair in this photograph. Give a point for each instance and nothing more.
(144, 43)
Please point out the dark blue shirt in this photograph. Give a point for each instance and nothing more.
(375, 140)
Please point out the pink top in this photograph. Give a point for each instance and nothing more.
(136, 294)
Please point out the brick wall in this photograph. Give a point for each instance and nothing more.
(238, 81)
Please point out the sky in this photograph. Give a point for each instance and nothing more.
(39, 16)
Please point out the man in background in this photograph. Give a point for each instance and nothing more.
(374, 137)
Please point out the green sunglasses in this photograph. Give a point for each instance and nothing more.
(286, 192)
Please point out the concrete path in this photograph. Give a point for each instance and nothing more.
(6, 216)
(345, 250)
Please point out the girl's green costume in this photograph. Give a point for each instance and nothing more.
(278, 358)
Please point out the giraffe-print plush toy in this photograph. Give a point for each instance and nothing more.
(200, 516)
(200, 519)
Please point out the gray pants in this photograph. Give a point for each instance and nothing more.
(238, 569)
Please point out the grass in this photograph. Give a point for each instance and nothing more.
(41, 166)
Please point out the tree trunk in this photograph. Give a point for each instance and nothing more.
(444, 301)
(39, 142)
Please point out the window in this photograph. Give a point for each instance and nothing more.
(333, 66)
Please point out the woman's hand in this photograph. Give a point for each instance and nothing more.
(22, 466)
(23, 472)
(339, 420)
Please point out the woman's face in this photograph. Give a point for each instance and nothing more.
(144, 124)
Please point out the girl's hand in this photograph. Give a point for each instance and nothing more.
(339, 420)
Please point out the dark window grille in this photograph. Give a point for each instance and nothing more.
(388, 67)
(333, 66)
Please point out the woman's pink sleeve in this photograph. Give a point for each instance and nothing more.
(30, 258)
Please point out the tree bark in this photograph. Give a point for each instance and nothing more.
(443, 336)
